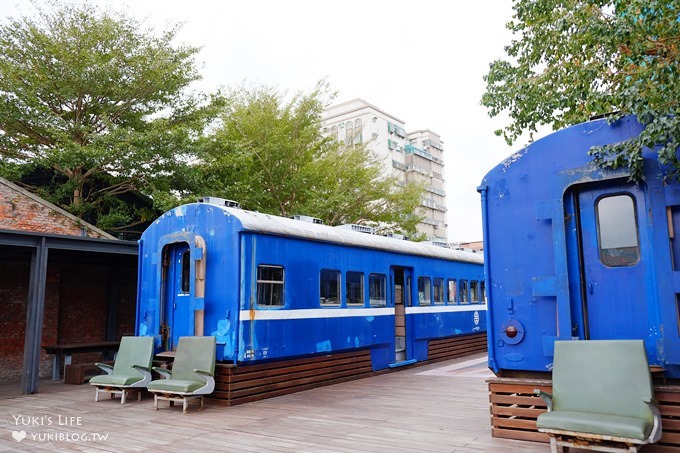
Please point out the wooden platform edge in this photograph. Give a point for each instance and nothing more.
(247, 383)
(514, 409)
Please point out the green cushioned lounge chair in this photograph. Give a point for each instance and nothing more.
(603, 397)
(192, 374)
(130, 371)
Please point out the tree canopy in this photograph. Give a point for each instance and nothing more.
(575, 59)
(269, 153)
(97, 116)
(103, 102)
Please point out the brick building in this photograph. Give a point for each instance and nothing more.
(22, 210)
(62, 281)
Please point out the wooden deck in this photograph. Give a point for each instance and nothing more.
(442, 407)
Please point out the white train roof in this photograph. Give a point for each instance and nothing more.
(272, 224)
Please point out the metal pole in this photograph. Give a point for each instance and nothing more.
(34, 318)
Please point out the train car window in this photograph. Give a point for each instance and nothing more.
(424, 293)
(377, 290)
(452, 287)
(474, 291)
(617, 231)
(438, 287)
(329, 287)
(463, 292)
(354, 284)
(407, 292)
(482, 290)
(186, 271)
(270, 285)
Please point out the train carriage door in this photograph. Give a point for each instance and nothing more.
(401, 295)
(613, 274)
(177, 302)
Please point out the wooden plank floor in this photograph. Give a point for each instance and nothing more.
(442, 407)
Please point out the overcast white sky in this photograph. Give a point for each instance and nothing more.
(421, 61)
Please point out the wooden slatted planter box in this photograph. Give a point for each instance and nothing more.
(454, 347)
(242, 384)
(514, 409)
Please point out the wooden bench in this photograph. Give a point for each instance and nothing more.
(63, 353)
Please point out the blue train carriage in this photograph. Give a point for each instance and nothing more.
(271, 288)
(576, 252)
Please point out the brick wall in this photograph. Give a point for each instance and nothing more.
(82, 316)
(76, 297)
(13, 297)
(21, 210)
(13, 306)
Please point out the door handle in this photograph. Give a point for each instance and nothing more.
(591, 288)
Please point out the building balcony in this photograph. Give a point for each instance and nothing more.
(432, 205)
(396, 129)
(435, 145)
(412, 149)
(435, 191)
(421, 170)
(399, 165)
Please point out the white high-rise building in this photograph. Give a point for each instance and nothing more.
(412, 156)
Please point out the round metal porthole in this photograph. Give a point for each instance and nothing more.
(512, 331)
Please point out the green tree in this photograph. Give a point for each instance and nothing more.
(269, 153)
(575, 59)
(104, 103)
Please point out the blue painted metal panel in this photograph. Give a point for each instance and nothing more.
(236, 242)
(539, 237)
(303, 327)
(183, 225)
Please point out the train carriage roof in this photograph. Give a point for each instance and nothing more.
(567, 149)
(276, 225)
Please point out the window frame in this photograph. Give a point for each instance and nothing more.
(441, 300)
(358, 130)
(383, 289)
(474, 292)
(453, 301)
(260, 282)
(463, 291)
(185, 276)
(627, 255)
(349, 290)
(427, 292)
(330, 301)
(482, 292)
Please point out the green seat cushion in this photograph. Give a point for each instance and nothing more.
(115, 379)
(584, 422)
(175, 385)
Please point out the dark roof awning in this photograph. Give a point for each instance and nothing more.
(74, 243)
